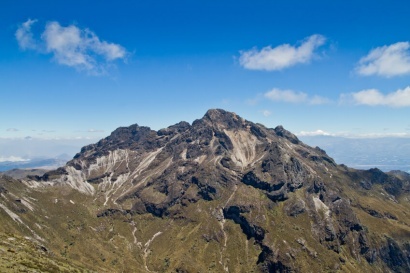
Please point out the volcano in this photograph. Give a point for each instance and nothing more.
(222, 194)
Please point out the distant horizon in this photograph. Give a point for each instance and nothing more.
(361, 152)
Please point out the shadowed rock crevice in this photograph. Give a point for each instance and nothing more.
(268, 260)
(251, 231)
(251, 179)
(397, 258)
(207, 192)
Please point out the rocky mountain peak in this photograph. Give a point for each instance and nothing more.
(223, 119)
(233, 183)
(280, 131)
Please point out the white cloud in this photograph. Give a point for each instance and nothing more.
(78, 48)
(387, 61)
(314, 133)
(13, 159)
(67, 45)
(373, 97)
(24, 35)
(72, 46)
(282, 56)
(294, 97)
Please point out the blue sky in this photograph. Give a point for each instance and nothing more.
(80, 69)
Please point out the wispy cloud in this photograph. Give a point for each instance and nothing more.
(266, 113)
(71, 46)
(24, 35)
(291, 96)
(286, 95)
(387, 61)
(373, 97)
(282, 56)
(12, 130)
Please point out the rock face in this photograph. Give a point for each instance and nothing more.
(259, 197)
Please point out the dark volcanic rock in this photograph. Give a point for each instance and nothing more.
(250, 230)
(252, 180)
(222, 119)
(49, 175)
(395, 257)
(280, 131)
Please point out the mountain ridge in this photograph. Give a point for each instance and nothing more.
(259, 196)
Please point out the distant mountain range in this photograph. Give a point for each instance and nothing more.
(222, 194)
(23, 173)
(38, 153)
(38, 163)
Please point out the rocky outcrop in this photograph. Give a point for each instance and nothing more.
(397, 258)
(392, 183)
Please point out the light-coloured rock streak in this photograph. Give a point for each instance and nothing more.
(17, 219)
(76, 180)
(244, 147)
(147, 251)
(145, 163)
(320, 206)
(222, 224)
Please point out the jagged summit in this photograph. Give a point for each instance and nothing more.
(223, 119)
(217, 114)
(225, 188)
(214, 123)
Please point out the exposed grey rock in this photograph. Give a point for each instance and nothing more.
(295, 207)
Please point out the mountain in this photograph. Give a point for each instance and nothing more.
(222, 194)
(23, 173)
